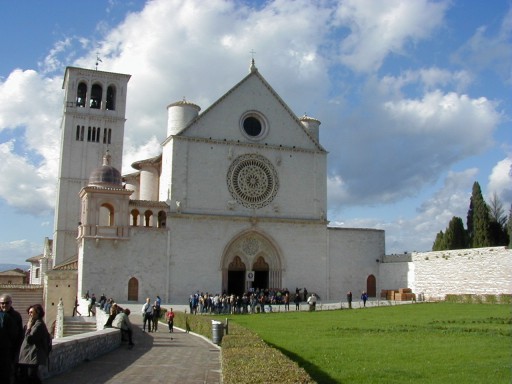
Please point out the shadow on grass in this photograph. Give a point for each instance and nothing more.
(315, 372)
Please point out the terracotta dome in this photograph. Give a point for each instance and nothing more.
(106, 175)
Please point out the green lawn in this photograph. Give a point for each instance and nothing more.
(421, 343)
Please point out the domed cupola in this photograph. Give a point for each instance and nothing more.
(106, 176)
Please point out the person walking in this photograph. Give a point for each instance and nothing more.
(75, 308)
(34, 348)
(349, 299)
(147, 315)
(364, 297)
(170, 320)
(92, 306)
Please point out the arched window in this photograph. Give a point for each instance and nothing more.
(81, 94)
(96, 94)
(148, 216)
(106, 215)
(111, 98)
(135, 217)
(162, 216)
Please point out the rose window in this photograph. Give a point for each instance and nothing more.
(252, 181)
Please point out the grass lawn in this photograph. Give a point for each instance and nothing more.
(421, 343)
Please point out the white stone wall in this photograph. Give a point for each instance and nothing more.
(106, 265)
(353, 255)
(466, 271)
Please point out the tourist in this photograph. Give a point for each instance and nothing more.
(123, 323)
(156, 316)
(286, 301)
(92, 306)
(297, 301)
(75, 308)
(349, 299)
(34, 349)
(14, 327)
(114, 310)
(170, 320)
(147, 315)
(364, 297)
(312, 302)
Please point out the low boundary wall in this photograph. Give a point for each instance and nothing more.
(68, 352)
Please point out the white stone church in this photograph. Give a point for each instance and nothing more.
(236, 200)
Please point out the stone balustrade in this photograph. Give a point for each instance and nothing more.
(68, 352)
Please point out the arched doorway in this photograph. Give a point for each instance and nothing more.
(133, 289)
(371, 286)
(260, 268)
(254, 250)
(236, 277)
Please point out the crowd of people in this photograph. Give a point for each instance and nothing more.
(24, 350)
(254, 301)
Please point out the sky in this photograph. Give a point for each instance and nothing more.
(414, 97)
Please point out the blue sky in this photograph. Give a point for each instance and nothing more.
(414, 96)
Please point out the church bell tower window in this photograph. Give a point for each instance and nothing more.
(111, 98)
(96, 94)
(81, 95)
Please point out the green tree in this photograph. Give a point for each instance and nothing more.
(478, 219)
(439, 244)
(498, 222)
(455, 236)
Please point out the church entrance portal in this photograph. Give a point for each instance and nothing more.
(250, 251)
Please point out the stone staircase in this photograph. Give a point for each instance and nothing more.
(78, 325)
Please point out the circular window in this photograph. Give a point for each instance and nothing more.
(252, 181)
(253, 125)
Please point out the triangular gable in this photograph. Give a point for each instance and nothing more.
(188, 130)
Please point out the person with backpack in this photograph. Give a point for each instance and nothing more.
(35, 348)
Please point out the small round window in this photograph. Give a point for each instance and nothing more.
(253, 125)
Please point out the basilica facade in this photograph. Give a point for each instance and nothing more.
(236, 200)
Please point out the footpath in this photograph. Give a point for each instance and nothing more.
(157, 357)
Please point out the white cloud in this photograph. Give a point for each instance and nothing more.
(434, 215)
(379, 28)
(17, 251)
(489, 51)
(500, 182)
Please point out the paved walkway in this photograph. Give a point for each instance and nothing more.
(157, 357)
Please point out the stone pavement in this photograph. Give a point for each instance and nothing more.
(157, 357)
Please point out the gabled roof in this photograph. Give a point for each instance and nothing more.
(34, 259)
(13, 272)
(254, 73)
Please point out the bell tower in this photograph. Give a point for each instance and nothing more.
(92, 124)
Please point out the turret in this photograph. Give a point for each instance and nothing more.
(312, 125)
(179, 115)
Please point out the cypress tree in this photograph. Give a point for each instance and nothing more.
(439, 244)
(478, 219)
(455, 236)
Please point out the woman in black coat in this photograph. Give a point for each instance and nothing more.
(34, 349)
